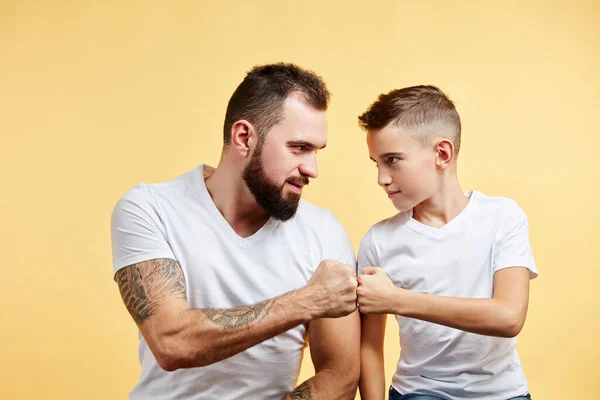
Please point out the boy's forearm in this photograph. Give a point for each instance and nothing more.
(490, 317)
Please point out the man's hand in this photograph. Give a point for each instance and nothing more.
(331, 290)
(375, 291)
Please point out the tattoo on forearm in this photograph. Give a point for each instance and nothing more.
(302, 392)
(143, 285)
(240, 316)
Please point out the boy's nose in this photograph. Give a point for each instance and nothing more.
(383, 179)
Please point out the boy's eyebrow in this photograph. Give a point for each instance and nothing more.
(304, 143)
(392, 154)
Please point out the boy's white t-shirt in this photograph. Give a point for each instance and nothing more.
(178, 220)
(457, 260)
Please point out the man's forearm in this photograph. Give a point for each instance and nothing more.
(200, 337)
(482, 316)
(326, 385)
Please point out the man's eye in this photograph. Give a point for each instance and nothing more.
(393, 160)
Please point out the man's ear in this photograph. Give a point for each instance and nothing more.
(243, 137)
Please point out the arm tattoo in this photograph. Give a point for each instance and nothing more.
(302, 392)
(240, 316)
(145, 284)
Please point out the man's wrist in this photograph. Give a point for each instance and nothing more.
(305, 305)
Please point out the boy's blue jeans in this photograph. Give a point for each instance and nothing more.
(394, 395)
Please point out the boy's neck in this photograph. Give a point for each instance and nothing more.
(444, 206)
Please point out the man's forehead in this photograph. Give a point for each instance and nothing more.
(303, 123)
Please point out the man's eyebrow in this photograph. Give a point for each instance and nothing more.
(304, 143)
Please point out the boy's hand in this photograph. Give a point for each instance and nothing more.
(375, 291)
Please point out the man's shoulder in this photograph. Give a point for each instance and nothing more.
(319, 220)
(151, 192)
(312, 214)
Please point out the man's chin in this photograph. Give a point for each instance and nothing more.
(287, 208)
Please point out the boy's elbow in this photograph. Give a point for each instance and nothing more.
(513, 324)
(513, 330)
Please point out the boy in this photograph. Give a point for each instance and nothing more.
(453, 267)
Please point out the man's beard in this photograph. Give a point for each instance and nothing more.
(267, 193)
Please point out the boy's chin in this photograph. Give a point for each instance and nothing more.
(402, 206)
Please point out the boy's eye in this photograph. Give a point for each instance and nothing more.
(393, 160)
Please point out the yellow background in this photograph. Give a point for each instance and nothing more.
(96, 96)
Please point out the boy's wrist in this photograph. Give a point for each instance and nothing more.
(402, 302)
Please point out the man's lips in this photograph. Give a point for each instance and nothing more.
(299, 183)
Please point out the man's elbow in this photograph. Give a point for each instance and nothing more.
(172, 355)
(352, 386)
(349, 382)
(168, 362)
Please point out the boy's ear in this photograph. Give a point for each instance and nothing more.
(445, 153)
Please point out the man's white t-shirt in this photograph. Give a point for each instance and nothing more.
(457, 260)
(178, 220)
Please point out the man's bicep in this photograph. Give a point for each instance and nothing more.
(335, 342)
(149, 286)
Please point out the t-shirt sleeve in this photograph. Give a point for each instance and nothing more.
(338, 247)
(367, 256)
(511, 244)
(137, 232)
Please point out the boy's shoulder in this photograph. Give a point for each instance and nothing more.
(497, 207)
(494, 209)
(395, 221)
(386, 230)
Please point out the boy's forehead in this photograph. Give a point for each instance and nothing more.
(389, 138)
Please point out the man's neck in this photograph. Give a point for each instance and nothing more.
(234, 201)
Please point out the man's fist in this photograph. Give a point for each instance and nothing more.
(332, 289)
